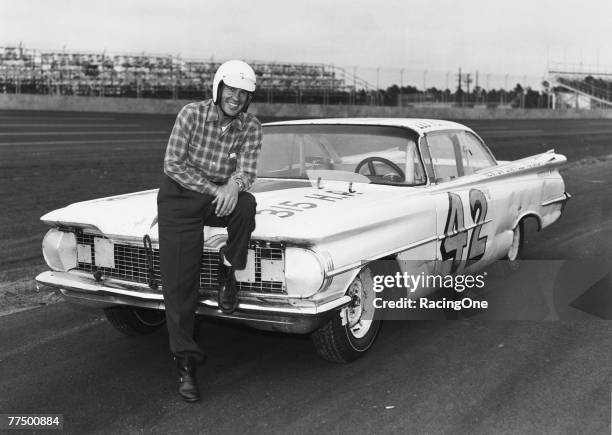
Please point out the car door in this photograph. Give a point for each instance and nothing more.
(463, 213)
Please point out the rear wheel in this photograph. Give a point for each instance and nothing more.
(515, 252)
(351, 331)
(135, 321)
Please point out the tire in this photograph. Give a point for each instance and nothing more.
(352, 330)
(135, 321)
(511, 261)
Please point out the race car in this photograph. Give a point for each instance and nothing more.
(342, 203)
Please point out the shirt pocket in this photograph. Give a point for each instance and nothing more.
(238, 142)
(230, 161)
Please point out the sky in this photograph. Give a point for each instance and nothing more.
(423, 43)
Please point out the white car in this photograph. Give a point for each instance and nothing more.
(341, 203)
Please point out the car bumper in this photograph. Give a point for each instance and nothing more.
(267, 312)
(562, 199)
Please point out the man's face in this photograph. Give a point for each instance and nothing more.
(233, 100)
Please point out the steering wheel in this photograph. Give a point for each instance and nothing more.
(370, 162)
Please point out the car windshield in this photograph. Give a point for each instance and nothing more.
(358, 153)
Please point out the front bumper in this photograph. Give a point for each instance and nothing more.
(267, 312)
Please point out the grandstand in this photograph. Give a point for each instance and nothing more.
(144, 75)
(580, 88)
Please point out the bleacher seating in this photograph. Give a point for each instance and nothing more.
(599, 89)
(142, 75)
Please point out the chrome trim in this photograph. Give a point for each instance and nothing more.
(131, 264)
(464, 229)
(365, 261)
(297, 310)
(563, 198)
(110, 290)
(295, 324)
(83, 282)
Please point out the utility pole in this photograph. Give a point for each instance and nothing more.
(446, 89)
(459, 90)
(468, 80)
(377, 86)
(401, 102)
(355, 84)
(459, 80)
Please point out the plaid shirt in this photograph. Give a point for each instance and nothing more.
(200, 155)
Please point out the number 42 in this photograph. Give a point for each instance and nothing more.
(455, 233)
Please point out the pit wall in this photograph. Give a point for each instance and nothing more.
(158, 106)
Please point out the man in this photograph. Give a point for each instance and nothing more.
(210, 162)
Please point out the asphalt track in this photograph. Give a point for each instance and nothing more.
(471, 375)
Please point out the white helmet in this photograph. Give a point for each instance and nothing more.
(234, 73)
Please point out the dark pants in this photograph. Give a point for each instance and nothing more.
(182, 214)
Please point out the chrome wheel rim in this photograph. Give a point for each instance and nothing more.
(359, 312)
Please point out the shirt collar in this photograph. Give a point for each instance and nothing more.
(212, 115)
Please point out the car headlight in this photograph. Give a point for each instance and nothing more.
(303, 272)
(60, 250)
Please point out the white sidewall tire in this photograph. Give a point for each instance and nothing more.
(511, 263)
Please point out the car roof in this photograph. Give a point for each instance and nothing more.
(421, 126)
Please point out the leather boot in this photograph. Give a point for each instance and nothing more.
(228, 292)
(188, 383)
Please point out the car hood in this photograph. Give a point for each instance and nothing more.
(287, 210)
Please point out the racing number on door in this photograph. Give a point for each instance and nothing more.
(478, 210)
(455, 233)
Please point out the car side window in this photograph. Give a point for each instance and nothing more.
(413, 170)
(473, 154)
(443, 149)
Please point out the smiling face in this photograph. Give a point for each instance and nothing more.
(233, 100)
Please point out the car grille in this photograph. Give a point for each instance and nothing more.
(131, 265)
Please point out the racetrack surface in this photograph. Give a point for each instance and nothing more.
(473, 375)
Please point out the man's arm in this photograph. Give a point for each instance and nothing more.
(245, 174)
(177, 152)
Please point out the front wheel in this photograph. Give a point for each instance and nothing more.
(351, 331)
(135, 321)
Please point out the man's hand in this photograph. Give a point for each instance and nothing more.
(226, 198)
